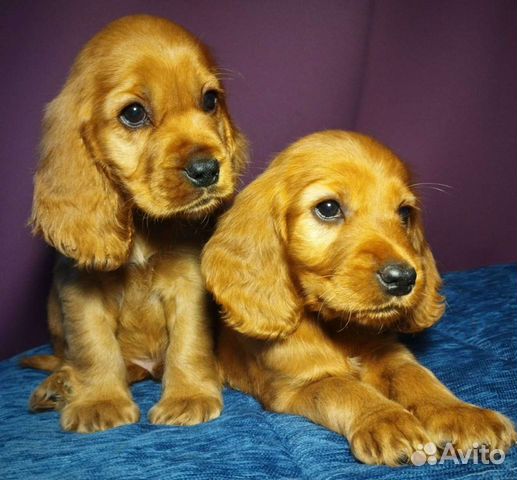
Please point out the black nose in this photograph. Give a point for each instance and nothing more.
(203, 172)
(397, 279)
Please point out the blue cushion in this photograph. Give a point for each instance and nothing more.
(472, 350)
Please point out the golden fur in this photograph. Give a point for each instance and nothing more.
(307, 322)
(128, 300)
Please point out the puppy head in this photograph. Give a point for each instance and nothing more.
(333, 227)
(141, 123)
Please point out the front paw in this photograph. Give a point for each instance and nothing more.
(185, 411)
(388, 436)
(86, 416)
(466, 426)
(54, 393)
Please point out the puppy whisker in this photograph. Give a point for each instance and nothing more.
(444, 185)
(439, 187)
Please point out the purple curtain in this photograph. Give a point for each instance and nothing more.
(435, 80)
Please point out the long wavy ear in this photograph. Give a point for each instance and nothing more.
(240, 151)
(432, 306)
(76, 206)
(245, 265)
(237, 143)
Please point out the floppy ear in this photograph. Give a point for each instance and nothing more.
(432, 306)
(236, 142)
(245, 265)
(240, 151)
(76, 207)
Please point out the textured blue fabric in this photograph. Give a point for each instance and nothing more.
(472, 350)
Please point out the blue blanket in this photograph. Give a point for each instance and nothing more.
(472, 350)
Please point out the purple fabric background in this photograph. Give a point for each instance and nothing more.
(435, 80)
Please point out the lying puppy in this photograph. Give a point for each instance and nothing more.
(138, 151)
(318, 259)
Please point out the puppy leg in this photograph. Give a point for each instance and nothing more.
(444, 417)
(54, 392)
(101, 397)
(191, 383)
(379, 430)
(48, 363)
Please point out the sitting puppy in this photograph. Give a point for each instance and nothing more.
(138, 151)
(318, 259)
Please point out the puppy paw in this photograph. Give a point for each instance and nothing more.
(53, 393)
(466, 426)
(86, 416)
(185, 411)
(387, 437)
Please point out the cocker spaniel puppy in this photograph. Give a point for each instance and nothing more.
(138, 152)
(319, 259)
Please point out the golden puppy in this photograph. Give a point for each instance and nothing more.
(138, 150)
(317, 260)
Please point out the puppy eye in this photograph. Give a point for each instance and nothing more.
(405, 213)
(328, 210)
(134, 116)
(210, 101)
